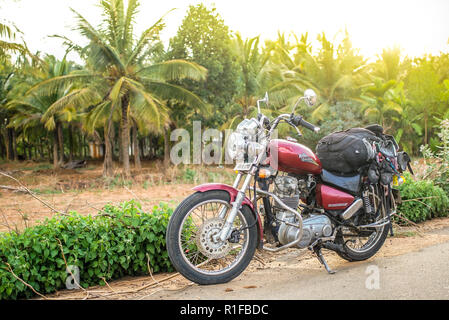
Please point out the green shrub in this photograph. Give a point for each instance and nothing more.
(437, 163)
(110, 245)
(189, 175)
(422, 200)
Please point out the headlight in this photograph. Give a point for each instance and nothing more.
(242, 144)
(236, 145)
(248, 127)
(254, 149)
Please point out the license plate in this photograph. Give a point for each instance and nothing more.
(242, 166)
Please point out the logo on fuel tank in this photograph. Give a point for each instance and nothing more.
(306, 158)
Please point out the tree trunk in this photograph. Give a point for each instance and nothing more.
(14, 144)
(40, 150)
(80, 146)
(166, 148)
(142, 148)
(49, 152)
(119, 141)
(108, 170)
(137, 163)
(125, 136)
(6, 143)
(70, 142)
(2, 149)
(85, 148)
(60, 142)
(55, 149)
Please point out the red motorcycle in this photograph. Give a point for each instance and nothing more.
(339, 199)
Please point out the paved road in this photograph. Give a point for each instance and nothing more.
(423, 274)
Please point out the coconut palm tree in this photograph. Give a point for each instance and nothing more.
(252, 63)
(36, 109)
(383, 101)
(8, 33)
(7, 78)
(118, 75)
(336, 74)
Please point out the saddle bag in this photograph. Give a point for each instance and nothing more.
(345, 152)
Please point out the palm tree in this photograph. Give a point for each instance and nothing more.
(336, 74)
(119, 77)
(37, 108)
(252, 64)
(7, 77)
(9, 33)
(383, 101)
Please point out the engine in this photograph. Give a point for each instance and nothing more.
(290, 190)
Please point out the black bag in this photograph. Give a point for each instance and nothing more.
(345, 152)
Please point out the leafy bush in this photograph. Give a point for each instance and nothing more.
(110, 245)
(422, 200)
(438, 163)
(189, 175)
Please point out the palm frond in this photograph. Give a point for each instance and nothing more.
(98, 40)
(166, 91)
(148, 35)
(76, 99)
(174, 70)
(147, 106)
(53, 84)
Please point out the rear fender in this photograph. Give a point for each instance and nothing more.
(232, 195)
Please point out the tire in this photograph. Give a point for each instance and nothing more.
(351, 255)
(173, 239)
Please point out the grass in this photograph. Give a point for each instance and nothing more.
(46, 191)
(406, 234)
(44, 166)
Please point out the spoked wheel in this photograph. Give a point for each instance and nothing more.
(362, 245)
(192, 242)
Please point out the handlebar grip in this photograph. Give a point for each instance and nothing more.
(298, 120)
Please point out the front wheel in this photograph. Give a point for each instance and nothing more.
(190, 239)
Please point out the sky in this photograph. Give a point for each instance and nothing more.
(417, 27)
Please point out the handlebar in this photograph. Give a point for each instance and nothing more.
(298, 120)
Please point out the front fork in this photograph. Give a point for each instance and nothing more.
(236, 205)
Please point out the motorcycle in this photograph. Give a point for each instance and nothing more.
(284, 197)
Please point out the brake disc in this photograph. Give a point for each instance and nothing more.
(205, 242)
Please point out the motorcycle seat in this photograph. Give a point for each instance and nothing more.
(348, 183)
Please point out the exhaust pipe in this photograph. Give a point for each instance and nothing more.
(352, 209)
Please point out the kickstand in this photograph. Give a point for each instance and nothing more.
(317, 250)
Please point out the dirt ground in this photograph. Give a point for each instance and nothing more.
(86, 191)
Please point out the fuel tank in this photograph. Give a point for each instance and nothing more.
(293, 157)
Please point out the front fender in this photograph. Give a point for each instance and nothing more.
(232, 195)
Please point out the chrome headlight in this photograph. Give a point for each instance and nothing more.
(235, 145)
(248, 127)
(242, 144)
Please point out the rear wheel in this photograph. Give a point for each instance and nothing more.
(190, 239)
(362, 245)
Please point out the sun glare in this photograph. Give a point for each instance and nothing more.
(417, 27)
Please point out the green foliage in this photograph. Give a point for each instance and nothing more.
(438, 163)
(422, 200)
(204, 38)
(111, 245)
(189, 175)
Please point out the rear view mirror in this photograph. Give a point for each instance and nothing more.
(310, 97)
